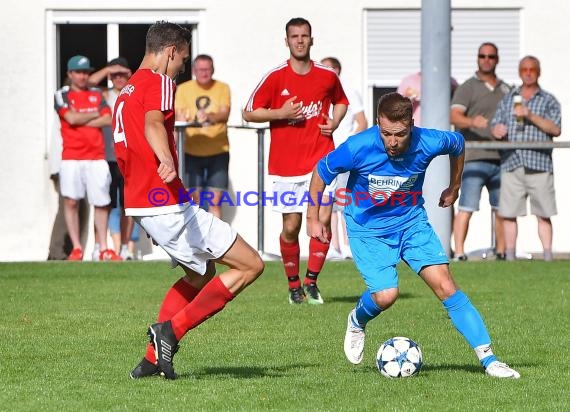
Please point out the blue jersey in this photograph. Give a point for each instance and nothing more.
(384, 194)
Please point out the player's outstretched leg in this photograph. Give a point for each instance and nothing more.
(469, 323)
(366, 310)
(178, 296)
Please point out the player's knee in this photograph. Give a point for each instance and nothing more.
(385, 298)
(255, 269)
(446, 288)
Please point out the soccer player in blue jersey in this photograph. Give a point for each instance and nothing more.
(387, 222)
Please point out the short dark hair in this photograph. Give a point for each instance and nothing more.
(297, 21)
(395, 108)
(163, 34)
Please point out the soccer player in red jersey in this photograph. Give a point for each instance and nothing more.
(143, 129)
(295, 98)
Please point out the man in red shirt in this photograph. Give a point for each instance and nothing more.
(84, 170)
(143, 130)
(295, 98)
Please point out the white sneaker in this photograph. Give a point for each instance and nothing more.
(345, 251)
(501, 370)
(353, 341)
(125, 253)
(96, 253)
(334, 254)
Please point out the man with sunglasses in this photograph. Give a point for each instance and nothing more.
(472, 107)
(387, 222)
(527, 173)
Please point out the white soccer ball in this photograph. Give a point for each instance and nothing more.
(399, 357)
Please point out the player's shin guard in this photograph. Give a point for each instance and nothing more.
(366, 309)
(469, 323)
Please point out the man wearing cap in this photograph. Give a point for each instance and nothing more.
(123, 230)
(83, 112)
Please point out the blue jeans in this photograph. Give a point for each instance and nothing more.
(476, 175)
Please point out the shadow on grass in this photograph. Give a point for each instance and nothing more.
(354, 298)
(243, 372)
(426, 369)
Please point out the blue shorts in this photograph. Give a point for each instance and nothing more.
(376, 257)
(476, 175)
(208, 173)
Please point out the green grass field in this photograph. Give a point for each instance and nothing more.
(71, 333)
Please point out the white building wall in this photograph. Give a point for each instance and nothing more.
(246, 38)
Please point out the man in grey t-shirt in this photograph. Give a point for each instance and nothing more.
(472, 107)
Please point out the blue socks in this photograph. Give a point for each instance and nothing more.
(469, 323)
(366, 310)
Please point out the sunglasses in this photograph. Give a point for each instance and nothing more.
(488, 56)
(528, 69)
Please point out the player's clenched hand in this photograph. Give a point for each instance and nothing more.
(291, 110)
(328, 127)
(316, 230)
(448, 197)
(166, 171)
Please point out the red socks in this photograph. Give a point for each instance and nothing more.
(177, 297)
(290, 255)
(317, 255)
(211, 299)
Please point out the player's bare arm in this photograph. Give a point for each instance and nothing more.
(289, 111)
(450, 195)
(157, 138)
(315, 228)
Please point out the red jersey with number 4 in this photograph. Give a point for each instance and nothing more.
(145, 192)
(81, 142)
(296, 147)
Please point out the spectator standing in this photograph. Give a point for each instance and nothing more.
(411, 87)
(295, 98)
(83, 112)
(143, 127)
(60, 245)
(121, 227)
(206, 101)
(353, 122)
(472, 108)
(391, 159)
(527, 113)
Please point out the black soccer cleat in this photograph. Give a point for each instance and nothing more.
(144, 369)
(165, 346)
(297, 296)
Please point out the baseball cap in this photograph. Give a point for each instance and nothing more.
(121, 61)
(79, 63)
